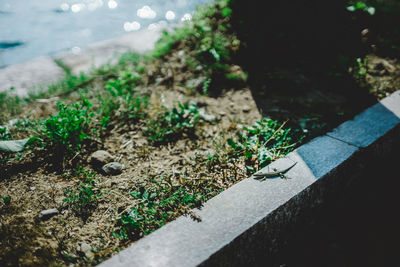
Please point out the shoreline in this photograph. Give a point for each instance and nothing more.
(44, 70)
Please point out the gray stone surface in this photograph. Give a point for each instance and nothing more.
(47, 214)
(392, 103)
(86, 250)
(107, 51)
(113, 168)
(323, 154)
(100, 158)
(23, 77)
(371, 124)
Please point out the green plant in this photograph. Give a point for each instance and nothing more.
(127, 80)
(211, 41)
(121, 98)
(9, 105)
(171, 124)
(362, 66)
(6, 200)
(69, 84)
(156, 206)
(85, 196)
(4, 133)
(361, 6)
(169, 39)
(261, 143)
(70, 127)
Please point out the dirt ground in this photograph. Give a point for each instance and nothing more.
(61, 240)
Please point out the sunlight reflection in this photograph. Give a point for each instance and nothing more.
(170, 15)
(93, 4)
(77, 7)
(185, 17)
(146, 13)
(64, 7)
(131, 26)
(112, 4)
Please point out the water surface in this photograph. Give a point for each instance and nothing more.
(29, 29)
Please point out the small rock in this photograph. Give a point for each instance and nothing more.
(47, 214)
(101, 157)
(196, 83)
(86, 249)
(122, 187)
(113, 168)
(181, 53)
(222, 113)
(12, 122)
(32, 188)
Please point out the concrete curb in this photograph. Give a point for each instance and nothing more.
(252, 220)
(43, 71)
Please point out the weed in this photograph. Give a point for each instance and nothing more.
(64, 87)
(4, 133)
(361, 6)
(211, 41)
(156, 206)
(171, 124)
(70, 127)
(6, 200)
(170, 39)
(262, 143)
(121, 98)
(85, 196)
(9, 105)
(361, 67)
(127, 80)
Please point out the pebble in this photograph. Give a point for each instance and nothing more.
(196, 83)
(113, 168)
(32, 188)
(86, 249)
(47, 214)
(101, 157)
(181, 53)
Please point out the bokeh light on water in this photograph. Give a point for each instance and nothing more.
(29, 29)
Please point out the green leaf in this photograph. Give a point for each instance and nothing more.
(226, 12)
(14, 146)
(215, 54)
(232, 143)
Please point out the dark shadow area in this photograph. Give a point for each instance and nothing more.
(298, 56)
(359, 228)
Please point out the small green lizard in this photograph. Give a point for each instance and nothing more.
(274, 173)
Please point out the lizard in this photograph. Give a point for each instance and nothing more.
(274, 173)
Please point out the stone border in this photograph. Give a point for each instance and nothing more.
(43, 71)
(253, 219)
